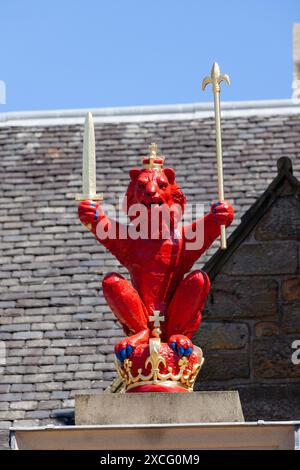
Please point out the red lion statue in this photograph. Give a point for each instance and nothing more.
(157, 265)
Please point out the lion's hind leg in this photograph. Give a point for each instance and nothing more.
(184, 312)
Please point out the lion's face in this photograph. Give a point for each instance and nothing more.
(154, 188)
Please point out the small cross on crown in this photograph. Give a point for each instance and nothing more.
(156, 319)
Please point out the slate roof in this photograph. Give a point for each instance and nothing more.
(57, 330)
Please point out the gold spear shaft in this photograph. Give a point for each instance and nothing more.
(215, 79)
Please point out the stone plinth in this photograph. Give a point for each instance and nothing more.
(158, 408)
(236, 436)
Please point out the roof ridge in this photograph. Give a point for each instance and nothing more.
(150, 113)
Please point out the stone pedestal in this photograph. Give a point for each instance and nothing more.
(158, 408)
(159, 421)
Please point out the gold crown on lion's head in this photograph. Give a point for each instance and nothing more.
(153, 160)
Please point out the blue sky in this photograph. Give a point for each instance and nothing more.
(99, 53)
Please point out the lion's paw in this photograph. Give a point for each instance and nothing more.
(123, 349)
(181, 344)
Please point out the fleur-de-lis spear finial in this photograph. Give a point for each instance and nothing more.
(215, 79)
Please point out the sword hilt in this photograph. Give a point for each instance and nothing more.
(87, 197)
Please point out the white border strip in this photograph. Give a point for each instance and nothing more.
(51, 427)
(138, 114)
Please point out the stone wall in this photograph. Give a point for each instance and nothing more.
(252, 316)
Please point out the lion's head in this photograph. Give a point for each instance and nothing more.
(153, 188)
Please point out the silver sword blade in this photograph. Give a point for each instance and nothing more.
(89, 162)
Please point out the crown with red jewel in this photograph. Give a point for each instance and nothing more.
(153, 160)
(155, 367)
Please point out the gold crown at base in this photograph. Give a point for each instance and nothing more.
(166, 383)
(185, 378)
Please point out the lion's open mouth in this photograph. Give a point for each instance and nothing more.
(152, 204)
